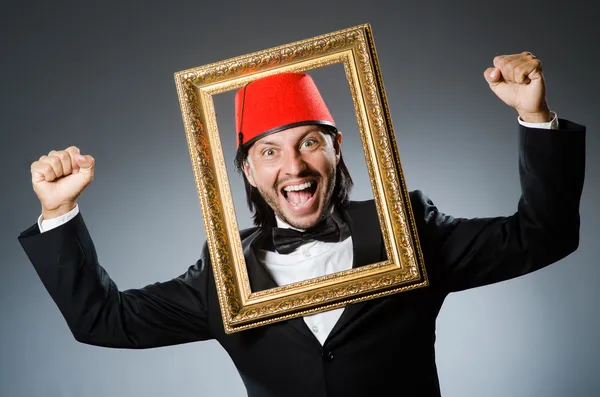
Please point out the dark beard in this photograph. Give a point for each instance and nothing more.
(273, 202)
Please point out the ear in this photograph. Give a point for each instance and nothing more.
(337, 145)
(248, 172)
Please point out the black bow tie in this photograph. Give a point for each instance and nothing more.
(331, 230)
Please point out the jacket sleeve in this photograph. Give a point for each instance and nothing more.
(97, 313)
(468, 253)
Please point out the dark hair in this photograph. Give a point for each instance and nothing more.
(263, 214)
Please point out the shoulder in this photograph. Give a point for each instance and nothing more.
(245, 233)
(425, 213)
(422, 206)
(365, 205)
(419, 201)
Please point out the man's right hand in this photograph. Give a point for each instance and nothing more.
(59, 178)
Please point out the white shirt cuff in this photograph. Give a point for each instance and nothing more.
(551, 125)
(49, 224)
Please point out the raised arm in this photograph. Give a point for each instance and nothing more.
(66, 261)
(467, 253)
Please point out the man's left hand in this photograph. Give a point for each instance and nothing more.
(518, 80)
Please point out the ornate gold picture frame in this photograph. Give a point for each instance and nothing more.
(404, 269)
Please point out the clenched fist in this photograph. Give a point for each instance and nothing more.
(519, 82)
(59, 178)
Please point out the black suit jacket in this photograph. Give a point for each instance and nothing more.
(378, 346)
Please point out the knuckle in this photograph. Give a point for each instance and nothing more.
(45, 168)
(53, 160)
(529, 56)
(512, 65)
(519, 69)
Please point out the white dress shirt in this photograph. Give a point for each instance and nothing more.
(310, 260)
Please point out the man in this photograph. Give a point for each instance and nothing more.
(290, 154)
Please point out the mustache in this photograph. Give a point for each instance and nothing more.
(303, 174)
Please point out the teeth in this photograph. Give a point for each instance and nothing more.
(298, 187)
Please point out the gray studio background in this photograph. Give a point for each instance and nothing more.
(100, 76)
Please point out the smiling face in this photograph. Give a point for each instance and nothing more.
(294, 171)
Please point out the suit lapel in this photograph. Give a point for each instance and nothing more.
(367, 248)
(260, 278)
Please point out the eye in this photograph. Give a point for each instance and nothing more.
(308, 143)
(268, 152)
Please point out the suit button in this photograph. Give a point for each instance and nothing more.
(327, 355)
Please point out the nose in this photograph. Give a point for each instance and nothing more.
(293, 163)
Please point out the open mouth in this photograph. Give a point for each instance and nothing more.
(299, 195)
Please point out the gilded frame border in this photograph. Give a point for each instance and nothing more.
(404, 270)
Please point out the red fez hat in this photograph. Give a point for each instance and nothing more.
(276, 103)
